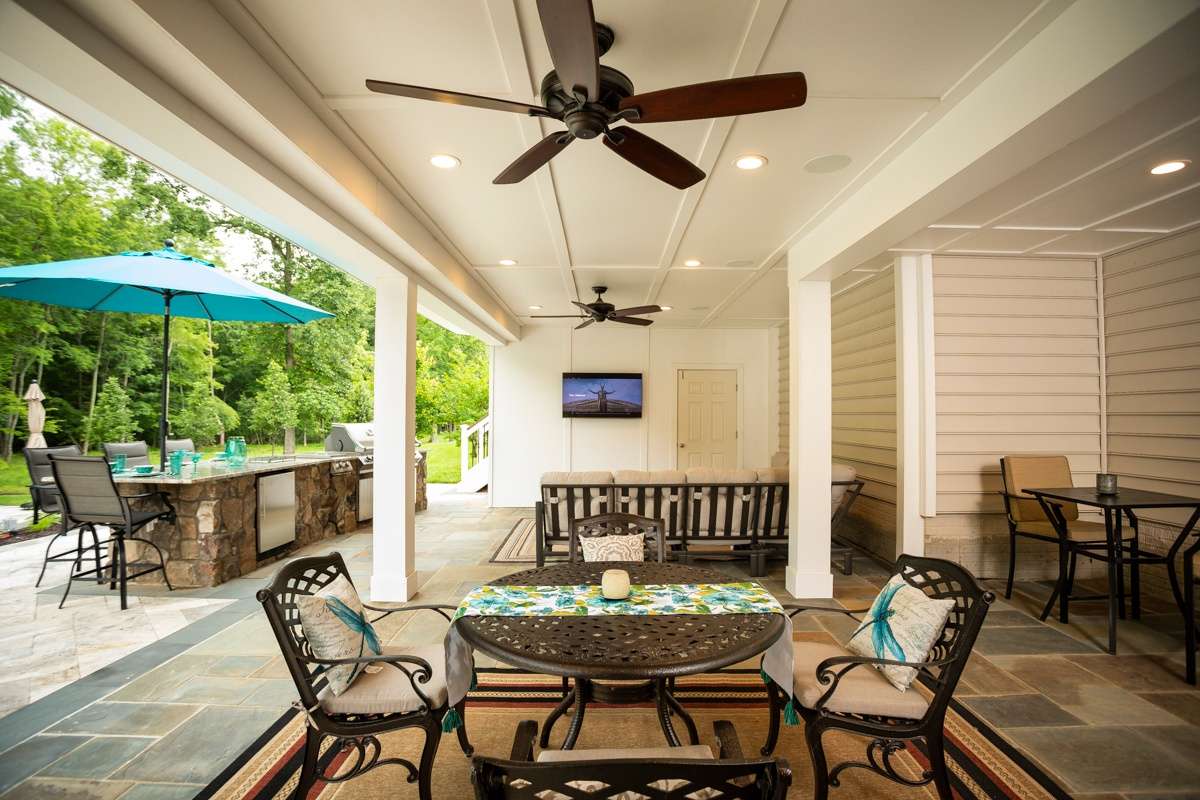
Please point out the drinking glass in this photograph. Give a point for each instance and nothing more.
(118, 464)
(177, 462)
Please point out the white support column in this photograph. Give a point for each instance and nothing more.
(811, 430)
(393, 578)
(916, 395)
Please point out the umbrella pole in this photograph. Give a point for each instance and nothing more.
(166, 372)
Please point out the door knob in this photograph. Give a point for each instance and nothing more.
(682, 445)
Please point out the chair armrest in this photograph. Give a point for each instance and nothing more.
(522, 748)
(440, 608)
(727, 740)
(793, 609)
(420, 675)
(827, 675)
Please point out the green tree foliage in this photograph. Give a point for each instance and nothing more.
(64, 194)
(273, 407)
(112, 420)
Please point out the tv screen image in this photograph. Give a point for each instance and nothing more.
(588, 394)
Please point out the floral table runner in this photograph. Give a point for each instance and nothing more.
(582, 600)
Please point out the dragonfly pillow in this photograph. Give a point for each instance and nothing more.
(626, 547)
(336, 626)
(902, 625)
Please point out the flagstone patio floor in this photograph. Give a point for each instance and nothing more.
(152, 703)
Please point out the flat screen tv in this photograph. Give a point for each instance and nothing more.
(602, 394)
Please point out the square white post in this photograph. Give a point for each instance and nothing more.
(393, 577)
(916, 396)
(810, 447)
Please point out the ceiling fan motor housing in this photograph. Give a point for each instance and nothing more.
(589, 120)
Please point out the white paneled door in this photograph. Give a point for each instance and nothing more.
(707, 418)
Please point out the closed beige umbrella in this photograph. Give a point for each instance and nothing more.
(36, 415)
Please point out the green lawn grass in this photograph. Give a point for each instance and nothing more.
(14, 477)
(443, 466)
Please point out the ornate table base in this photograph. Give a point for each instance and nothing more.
(587, 691)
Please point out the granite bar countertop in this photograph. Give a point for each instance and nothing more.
(219, 470)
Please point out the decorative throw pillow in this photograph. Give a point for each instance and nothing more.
(627, 547)
(335, 624)
(902, 625)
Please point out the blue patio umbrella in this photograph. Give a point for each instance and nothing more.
(164, 282)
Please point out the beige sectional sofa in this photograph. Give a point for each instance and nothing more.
(706, 511)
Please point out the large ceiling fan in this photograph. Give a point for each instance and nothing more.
(591, 98)
(600, 311)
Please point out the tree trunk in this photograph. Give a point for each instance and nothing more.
(286, 253)
(87, 431)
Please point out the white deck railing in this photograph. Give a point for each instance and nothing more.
(475, 455)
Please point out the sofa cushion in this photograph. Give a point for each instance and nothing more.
(862, 690)
(840, 472)
(598, 477)
(772, 474)
(635, 477)
(387, 690)
(720, 475)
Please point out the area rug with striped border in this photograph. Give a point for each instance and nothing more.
(983, 766)
(519, 546)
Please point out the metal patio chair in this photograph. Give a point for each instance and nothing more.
(137, 454)
(409, 693)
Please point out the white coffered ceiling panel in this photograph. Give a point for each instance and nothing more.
(1093, 243)
(1178, 211)
(693, 292)
(626, 287)
(520, 288)
(766, 299)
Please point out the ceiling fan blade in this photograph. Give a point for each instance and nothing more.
(659, 160)
(726, 98)
(584, 324)
(570, 30)
(456, 98)
(557, 316)
(534, 158)
(632, 320)
(591, 312)
(626, 312)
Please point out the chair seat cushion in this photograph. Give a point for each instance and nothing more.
(694, 751)
(863, 690)
(386, 690)
(1079, 530)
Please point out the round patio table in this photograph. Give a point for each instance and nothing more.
(650, 650)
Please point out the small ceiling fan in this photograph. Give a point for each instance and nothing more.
(600, 311)
(591, 98)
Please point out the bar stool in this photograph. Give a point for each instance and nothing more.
(90, 498)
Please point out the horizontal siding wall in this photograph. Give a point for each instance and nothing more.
(1017, 357)
(1152, 345)
(864, 402)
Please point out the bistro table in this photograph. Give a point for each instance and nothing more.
(1117, 507)
(651, 650)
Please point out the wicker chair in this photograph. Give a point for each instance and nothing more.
(1028, 518)
(619, 525)
(409, 693)
(838, 690)
(90, 498)
(688, 771)
(137, 454)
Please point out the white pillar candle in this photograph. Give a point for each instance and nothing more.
(614, 584)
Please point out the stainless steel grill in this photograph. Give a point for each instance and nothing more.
(357, 437)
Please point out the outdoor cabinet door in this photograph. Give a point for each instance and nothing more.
(707, 418)
(276, 511)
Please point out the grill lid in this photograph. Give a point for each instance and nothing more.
(351, 437)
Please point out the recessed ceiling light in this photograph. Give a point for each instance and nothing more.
(535, 308)
(444, 161)
(507, 262)
(827, 164)
(665, 308)
(692, 262)
(750, 161)
(1167, 167)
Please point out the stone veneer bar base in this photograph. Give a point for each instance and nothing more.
(215, 536)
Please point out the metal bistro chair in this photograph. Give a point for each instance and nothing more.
(90, 498)
(137, 454)
(409, 693)
(651, 772)
(619, 525)
(1028, 518)
(836, 690)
